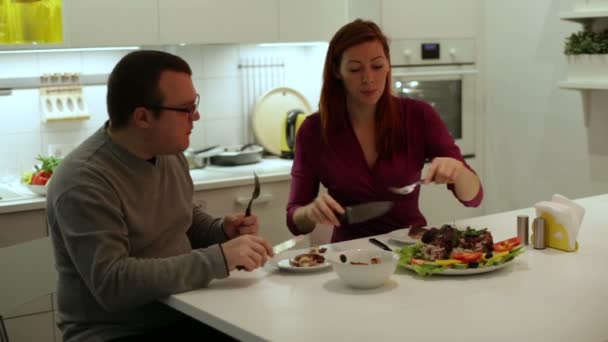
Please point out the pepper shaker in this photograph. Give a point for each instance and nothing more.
(538, 226)
(522, 229)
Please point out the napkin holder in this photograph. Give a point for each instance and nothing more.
(562, 218)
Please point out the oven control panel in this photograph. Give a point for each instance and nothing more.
(432, 52)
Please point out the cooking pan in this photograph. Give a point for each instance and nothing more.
(238, 155)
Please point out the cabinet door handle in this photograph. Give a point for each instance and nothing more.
(263, 198)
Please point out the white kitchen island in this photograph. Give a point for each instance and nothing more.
(545, 295)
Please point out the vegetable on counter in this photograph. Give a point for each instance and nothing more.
(42, 173)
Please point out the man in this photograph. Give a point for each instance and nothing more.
(121, 216)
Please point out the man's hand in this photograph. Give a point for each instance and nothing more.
(238, 224)
(249, 251)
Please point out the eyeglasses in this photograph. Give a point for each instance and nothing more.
(190, 110)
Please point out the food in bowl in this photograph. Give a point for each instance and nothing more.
(37, 180)
(307, 260)
(41, 174)
(364, 268)
(373, 261)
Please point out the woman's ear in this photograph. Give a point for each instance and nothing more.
(142, 117)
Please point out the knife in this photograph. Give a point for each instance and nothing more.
(281, 247)
(285, 245)
(363, 212)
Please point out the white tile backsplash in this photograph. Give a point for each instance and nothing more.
(20, 112)
(67, 139)
(19, 65)
(192, 55)
(220, 61)
(223, 132)
(100, 62)
(19, 151)
(23, 136)
(60, 62)
(220, 98)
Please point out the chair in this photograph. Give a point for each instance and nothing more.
(27, 271)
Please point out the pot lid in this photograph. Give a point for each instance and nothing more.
(269, 114)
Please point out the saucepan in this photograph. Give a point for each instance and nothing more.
(238, 155)
(198, 159)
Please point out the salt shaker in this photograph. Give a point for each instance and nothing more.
(538, 227)
(522, 229)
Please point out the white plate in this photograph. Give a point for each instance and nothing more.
(285, 265)
(466, 271)
(401, 236)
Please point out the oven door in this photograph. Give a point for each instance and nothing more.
(451, 90)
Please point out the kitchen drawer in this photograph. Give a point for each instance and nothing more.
(19, 227)
(270, 207)
(38, 327)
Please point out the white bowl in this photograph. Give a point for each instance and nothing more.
(365, 276)
(37, 189)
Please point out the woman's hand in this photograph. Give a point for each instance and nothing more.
(322, 210)
(239, 224)
(452, 171)
(444, 170)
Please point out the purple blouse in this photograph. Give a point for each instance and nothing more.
(342, 169)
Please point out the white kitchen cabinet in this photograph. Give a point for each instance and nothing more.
(212, 21)
(32, 321)
(439, 206)
(270, 207)
(38, 327)
(93, 23)
(312, 20)
(421, 19)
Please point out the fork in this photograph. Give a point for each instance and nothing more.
(406, 190)
(254, 195)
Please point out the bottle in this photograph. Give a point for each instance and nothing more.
(538, 227)
(522, 229)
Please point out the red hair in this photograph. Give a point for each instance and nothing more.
(332, 104)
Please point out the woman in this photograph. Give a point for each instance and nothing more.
(364, 141)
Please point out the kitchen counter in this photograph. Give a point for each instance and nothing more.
(544, 295)
(211, 177)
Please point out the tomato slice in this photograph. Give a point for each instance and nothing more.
(467, 257)
(417, 262)
(507, 245)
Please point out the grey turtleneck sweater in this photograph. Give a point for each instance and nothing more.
(126, 233)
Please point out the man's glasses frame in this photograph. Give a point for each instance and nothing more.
(190, 110)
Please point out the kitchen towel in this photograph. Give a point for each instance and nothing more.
(563, 220)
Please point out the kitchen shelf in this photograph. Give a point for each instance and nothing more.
(584, 85)
(7, 85)
(584, 16)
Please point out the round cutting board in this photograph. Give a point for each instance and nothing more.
(269, 115)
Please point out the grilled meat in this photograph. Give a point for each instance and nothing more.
(417, 232)
(440, 242)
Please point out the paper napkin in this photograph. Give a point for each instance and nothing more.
(563, 220)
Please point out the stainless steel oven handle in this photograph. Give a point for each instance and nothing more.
(397, 72)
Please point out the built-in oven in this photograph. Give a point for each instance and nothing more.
(443, 73)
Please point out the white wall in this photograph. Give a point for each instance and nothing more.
(536, 141)
(216, 76)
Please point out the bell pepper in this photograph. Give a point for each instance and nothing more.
(448, 262)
